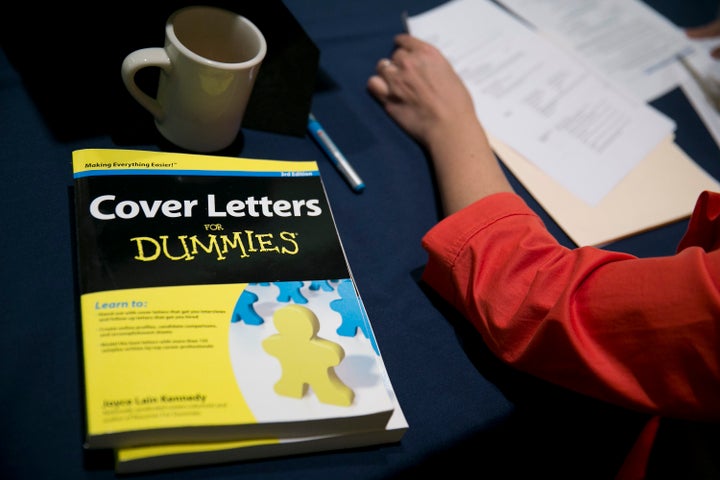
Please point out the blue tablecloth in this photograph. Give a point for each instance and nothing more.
(463, 406)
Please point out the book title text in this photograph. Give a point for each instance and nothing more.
(108, 207)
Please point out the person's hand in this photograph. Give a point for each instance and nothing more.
(704, 32)
(420, 90)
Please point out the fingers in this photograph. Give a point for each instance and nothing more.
(407, 41)
(709, 30)
(386, 67)
(378, 88)
(378, 84)
(388, 81)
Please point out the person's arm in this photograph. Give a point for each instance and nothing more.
(420, 90)
(642, 333)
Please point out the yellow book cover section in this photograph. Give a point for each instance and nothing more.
(159, 457)
(216, 303)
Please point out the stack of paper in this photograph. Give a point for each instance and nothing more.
(635, 46)
(661, 189)
(597, 158)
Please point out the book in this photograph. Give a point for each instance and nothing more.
(173, 456)
(217, 303)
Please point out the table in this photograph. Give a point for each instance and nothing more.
(463, 406)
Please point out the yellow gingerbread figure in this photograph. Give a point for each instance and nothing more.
(306, 359)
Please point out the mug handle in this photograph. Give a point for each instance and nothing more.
(145, 57)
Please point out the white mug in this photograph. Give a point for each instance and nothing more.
(208, 68)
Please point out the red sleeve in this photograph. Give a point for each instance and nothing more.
(642, 333)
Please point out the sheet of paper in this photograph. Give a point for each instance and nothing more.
(575, 125)
(631, 43)
(662, 189)
(627, 40)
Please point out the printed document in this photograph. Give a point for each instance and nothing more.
(627, 40)
(557, 112)
(633, 44)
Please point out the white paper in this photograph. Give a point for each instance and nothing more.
(631, 43)
(626, 40)
(574, 124)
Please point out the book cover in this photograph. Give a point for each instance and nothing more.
(216, 303)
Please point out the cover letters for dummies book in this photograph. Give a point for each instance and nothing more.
(216, 303)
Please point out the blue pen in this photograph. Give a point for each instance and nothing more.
(318, 133)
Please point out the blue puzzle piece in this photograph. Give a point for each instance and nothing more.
(321, 285)
(290, 291)
(352, 316)
(245, 309)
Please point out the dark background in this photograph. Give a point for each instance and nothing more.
(60, 90)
